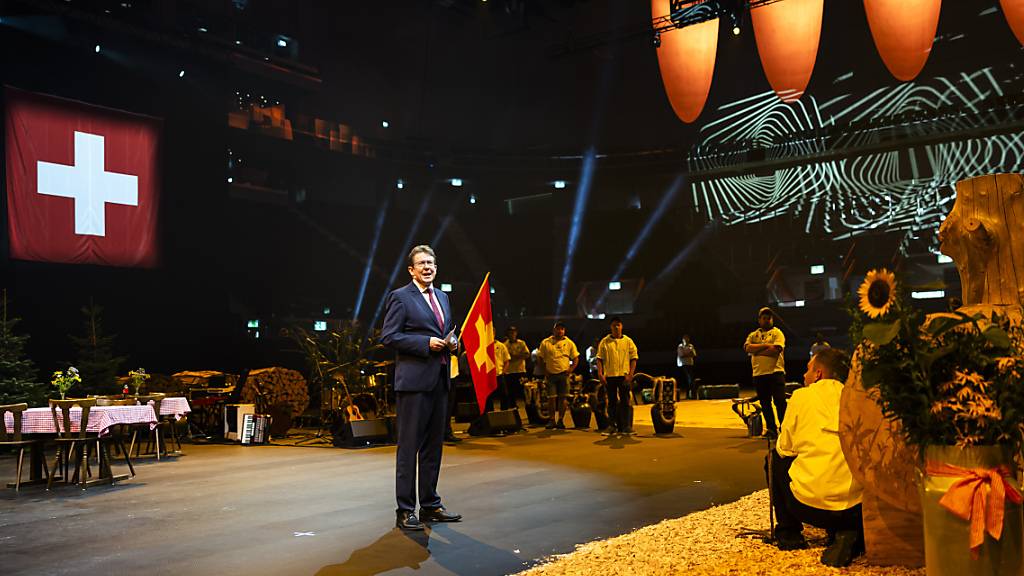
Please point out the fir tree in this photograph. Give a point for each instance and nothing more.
(94, 355)
(18, 376)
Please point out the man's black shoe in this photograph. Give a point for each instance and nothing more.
(550, 426)
(846, 547)
(408, 521)
(452, 439)
(438, 515)
(560, 425)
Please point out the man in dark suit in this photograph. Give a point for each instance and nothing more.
(417, 321)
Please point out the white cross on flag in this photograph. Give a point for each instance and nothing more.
(82, 182)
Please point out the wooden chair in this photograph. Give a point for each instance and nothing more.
(14, 439)
(67, 440)
(154, 439)
(118, 432)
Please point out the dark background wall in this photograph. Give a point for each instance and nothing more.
(471, 90)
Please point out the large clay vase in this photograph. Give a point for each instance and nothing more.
(946, 536)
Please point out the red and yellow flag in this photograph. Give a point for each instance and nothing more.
(478, 338)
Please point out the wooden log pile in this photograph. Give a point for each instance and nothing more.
(280, 386)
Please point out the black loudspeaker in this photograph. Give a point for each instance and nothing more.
(500, 422)
(466, 411)
(718, 391)
(663, 424)
(281, 419)
(362, 433)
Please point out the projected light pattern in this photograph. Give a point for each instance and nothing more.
(579, 209)
(826, 164)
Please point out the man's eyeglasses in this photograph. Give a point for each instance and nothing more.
(424, 264)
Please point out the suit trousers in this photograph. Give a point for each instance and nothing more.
(421, 423)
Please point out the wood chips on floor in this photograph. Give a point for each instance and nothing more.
(704, 543)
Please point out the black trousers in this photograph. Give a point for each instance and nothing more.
(618, 403)
(516, 391)
(684, 384)
(421, 420)
(501, 394)
(771, 388)
(792, 513)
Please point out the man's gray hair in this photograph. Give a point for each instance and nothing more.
(421, 249)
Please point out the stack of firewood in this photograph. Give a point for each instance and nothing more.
(279, 386)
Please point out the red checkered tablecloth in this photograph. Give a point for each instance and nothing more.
(176, 406)
(101, 418)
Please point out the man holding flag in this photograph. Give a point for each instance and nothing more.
(418, 326)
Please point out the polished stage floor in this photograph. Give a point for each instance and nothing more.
(228, 509)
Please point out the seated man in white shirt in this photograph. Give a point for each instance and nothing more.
(811, 480)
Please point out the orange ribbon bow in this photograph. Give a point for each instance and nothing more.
(978, 496)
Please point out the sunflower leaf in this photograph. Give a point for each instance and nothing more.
(881, 333)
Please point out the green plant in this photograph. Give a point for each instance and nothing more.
(94, 354)
(18, 377)
(950, 378)
(63, 381)
(333, 356)
(137, 379)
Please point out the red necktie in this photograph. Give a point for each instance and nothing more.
(437, 310)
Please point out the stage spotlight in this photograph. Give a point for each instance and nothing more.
(456, 182)
(238, 42)
(327, 310)
(97, 49)
(230, 179)
(384, 124)
(735, 30)
(181, 73)
(320, 326)
(615, 285)
(818, 269)
(203, 30)
(400, 184)
(282, 43)
(559, 184)
(472, 198)
(492, 289)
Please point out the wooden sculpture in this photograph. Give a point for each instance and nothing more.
(984, 234)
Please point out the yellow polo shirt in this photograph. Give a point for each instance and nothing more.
(520, 347)
(761, 365)
(557, 354)
(615, 354)
(501, 356)
(820, 476)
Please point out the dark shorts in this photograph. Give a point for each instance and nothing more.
(557, 384)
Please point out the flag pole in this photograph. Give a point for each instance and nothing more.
(473, 305)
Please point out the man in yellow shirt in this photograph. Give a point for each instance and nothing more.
(766, 346)
(501, 357)
(616, 364)
(811, 481)
(518, 353)
(560, 358)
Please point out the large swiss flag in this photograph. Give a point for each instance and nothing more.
(83, 182)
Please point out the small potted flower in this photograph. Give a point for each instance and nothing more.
(137, 379)
(63, 381)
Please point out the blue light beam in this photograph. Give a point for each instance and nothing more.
(578, 211)
(638, 242)
(402, 255)
(369, 259)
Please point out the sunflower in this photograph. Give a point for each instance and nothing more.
(877, 293)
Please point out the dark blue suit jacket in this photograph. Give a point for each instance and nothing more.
(408, 325)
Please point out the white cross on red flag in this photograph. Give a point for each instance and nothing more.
(82, 182)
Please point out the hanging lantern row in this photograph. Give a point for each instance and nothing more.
(787, 35)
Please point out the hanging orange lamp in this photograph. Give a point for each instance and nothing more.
(686, 58)
(1014, 12)
(787, 35)
(903, 31)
